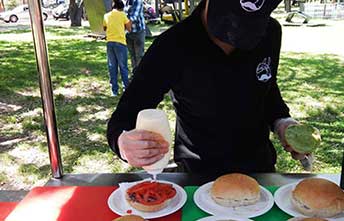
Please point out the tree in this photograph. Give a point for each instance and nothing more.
(287, 5)
(75, 12)
(11, 4)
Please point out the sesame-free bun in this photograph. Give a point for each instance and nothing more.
(147, 208)
(318, 197)
(307, 219)
(235, 190)
(130, 218)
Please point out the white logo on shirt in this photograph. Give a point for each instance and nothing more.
(263, 71)
(252, 5)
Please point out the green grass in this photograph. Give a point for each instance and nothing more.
(3, 178)
(312, 85)
(55, 31)
(61, 31)
(24, 29)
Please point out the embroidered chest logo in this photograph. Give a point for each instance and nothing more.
(252, 5)
(263, 71)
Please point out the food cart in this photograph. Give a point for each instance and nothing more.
(85, 196)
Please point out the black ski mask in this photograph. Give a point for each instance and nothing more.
(241, 23)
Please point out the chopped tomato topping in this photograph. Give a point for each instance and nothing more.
(151, 193)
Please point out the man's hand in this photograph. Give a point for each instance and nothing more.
(280, 129)
(141, 147)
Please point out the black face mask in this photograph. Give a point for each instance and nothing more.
(242, 33)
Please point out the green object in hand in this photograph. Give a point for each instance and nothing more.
(303, 138)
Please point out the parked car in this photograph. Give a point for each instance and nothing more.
(61, 11)
(50, 6)
(19, 12)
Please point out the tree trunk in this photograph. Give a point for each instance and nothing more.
(287, 5)
(75, 12)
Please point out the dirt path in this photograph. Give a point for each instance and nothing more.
(327, 39)
(324, 39)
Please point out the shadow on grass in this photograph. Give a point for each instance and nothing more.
(313, 85)
(324, 72)
(31, 169)
(82, 98)
(83, 102)
(331, 125)
(70, 31)
(54, 30)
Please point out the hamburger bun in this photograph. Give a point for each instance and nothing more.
(307, 219)
(318, 198)
(150, 196)
(235, 190)
(147, 208)
(130, 218)
(303, 138)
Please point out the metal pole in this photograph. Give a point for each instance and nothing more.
(342, 175)
(180, 6)
(43, 69)
(157, 8)
(192, 5)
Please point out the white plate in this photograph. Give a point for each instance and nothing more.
(222, 218)
(204, 201)
(118, 204)
(283, 201)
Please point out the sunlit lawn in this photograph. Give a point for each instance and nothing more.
(312, 85)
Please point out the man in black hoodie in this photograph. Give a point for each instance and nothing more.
(223, 83)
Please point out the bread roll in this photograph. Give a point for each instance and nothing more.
(235, 190)
(318, 197)
(130, 218)
(148, 208)
(307, 219)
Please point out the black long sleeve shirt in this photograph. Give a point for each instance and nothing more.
(225, 104)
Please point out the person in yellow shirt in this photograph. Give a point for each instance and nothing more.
(115, 23)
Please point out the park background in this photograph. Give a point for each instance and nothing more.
(311, 74)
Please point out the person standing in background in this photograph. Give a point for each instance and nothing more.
(136, 38)
(115, 22)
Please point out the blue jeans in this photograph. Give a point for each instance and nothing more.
(117, 54)
(136, 47)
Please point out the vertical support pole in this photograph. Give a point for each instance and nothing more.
(157, 8)
(43, 69)
(180, 7)
(287, 5)
(342, 175)
(192, 5)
